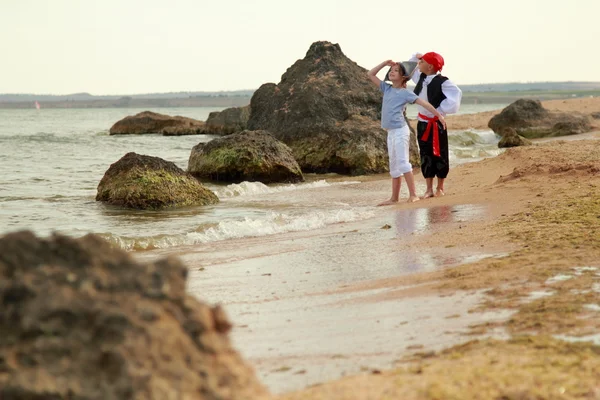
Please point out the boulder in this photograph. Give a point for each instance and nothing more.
(530, 120)
(328, 112)
(510, 138)
(80, 319)
(230, 120)
(151, 122)
(245, 156)
(151, 183)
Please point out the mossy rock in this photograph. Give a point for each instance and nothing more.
(245, 156)
(510, 138)
(151, 183)
(151, 122)
(228, 121)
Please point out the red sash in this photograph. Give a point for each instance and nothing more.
(436, 134)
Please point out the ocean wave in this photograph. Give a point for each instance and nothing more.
(469, 138)
(272, 223)
(257, 188)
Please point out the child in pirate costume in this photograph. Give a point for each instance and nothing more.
(395, 98)
(445, 96)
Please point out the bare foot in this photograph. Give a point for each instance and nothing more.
(388, 202)
(412, 199)
(439, 193)
(427, 195)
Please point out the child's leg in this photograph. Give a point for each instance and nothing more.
(412, 190)
(395, 193)
(439, 191)
(429, 191)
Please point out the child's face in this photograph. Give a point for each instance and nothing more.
(395, 73)
(425, 67)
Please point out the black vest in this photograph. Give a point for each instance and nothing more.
(435, 96)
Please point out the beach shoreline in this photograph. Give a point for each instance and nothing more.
(370, 300)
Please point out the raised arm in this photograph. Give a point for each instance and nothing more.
(429, 107)
(372, 74)
(417, 72)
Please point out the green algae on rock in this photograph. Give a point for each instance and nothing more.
(151, 183)
(245, 156)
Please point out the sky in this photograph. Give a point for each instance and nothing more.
(148, 46)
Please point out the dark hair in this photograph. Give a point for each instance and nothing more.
(405, 76)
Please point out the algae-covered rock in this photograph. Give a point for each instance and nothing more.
(328, 111)
(146, 182)
(510, 138)
(230, 120)
(151, 122)
(530, 120)
(80, 319)
(245, 156)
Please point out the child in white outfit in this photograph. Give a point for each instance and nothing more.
(395, 98)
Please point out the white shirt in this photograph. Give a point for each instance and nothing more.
(449, 105)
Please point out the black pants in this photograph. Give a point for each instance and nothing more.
(432, 166)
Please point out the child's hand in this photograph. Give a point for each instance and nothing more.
(443, 121)
(390, 63)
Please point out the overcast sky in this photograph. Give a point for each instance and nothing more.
(144, 46)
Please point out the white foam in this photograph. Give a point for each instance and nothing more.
(590, 338)
(580, 270)
(539, 294)
(592, 307)
(274, 223)
(558, 278)
(258, 188)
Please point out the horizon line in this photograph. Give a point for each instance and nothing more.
(247, 90)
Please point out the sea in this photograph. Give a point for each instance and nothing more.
(51, 161)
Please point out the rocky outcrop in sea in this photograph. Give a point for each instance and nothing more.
(151, 183)
(245, 156)
(531, 120)
(328, 112)
(151, 122)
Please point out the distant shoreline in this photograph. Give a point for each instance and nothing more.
(243, 100)
(225, 101)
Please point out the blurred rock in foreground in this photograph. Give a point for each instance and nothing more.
(82, 320)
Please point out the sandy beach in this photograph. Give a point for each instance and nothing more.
(492, 291)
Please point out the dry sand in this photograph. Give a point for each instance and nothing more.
(510, 256)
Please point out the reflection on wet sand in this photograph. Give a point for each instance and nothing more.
(423, 221)
(313, 306)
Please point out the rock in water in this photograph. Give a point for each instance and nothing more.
(327, 111)
(151, 122)
(245, 156)
(151, 183)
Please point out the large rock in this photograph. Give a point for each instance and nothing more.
(151, 122)
(328, 112)
(230, 120)
(82, 320)
(530, 120)
(146, 182)
(245, 156)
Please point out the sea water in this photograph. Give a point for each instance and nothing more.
(51, 161)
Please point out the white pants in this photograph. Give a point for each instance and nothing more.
(397, 142)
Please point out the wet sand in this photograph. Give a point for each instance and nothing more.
(303, 307)
(376, 299)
